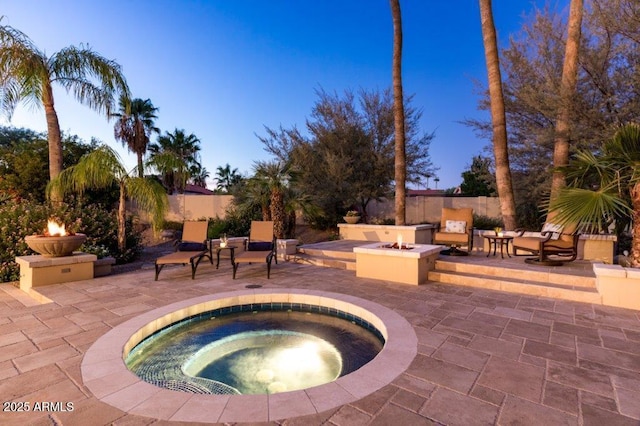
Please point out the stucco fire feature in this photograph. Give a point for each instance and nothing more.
(402, 266)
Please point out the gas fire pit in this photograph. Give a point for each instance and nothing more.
(55, 242)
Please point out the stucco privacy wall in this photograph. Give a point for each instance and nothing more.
(192, 207)
(419, 209)
(429, 209)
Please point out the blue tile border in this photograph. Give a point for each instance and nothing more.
(267, 307)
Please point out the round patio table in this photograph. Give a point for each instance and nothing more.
(504, 242)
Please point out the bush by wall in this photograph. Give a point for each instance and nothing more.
(17, 220)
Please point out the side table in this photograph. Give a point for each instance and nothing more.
(218, 249)
(504, 242)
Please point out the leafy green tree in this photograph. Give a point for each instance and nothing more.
(226, 178)
(174, 156)
(348, 157)
(28, 74)
(604, 188)
(103, 168)
(479, 180)
(23, 165)
(134, 125)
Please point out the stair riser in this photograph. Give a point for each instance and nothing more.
(511, 287)
(327, 263)
(328, 253)
(531, 276)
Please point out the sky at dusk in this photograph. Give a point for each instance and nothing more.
(223, 69)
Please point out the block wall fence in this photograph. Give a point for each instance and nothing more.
(420, 209)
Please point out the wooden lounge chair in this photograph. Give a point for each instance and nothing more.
(260, 247)
(559, 242)
(455, 230)
(191, 248)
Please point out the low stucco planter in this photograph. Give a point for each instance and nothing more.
(102, 267)
(413, 234)
(618, 286)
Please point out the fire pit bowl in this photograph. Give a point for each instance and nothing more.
(55, 246)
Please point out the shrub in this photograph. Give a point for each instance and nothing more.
(486, 222)
(99, 250)
(17, 220)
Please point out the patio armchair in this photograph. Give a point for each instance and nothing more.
(259, 247)
(555, 245)
(455, 230)
(190, 249)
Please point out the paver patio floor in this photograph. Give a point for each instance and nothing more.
(484, 357)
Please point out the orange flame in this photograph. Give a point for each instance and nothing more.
(55, 230)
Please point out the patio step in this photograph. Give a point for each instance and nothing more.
(492, 271)
(582, 289)
(322, 252)
(326, 257)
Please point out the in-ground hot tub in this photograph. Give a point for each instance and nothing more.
(105, 374)
(256, 348)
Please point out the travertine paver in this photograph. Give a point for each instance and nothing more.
(484, 357)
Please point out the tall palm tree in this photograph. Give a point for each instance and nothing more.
(400, 164)
(101, 169)
(567, 90)
(173, 156)
(28, 74)
(226, 177)
(498, 118)
(604, 188)
(134, 126)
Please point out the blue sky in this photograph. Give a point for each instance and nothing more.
(223, 70)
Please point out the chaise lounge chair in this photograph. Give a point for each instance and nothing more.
(560, 242)
(455, 230)
(190, 249)
(260, 247)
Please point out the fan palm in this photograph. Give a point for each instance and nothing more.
(102, 168)
(199, 175)
(226, 178)
(173, 156)
(28, 74)
(604, 187)
(275, 176)
(134, 126)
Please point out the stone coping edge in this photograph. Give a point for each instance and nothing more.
(418, 251)
(615, 271)
(105, 374)
(398, 227)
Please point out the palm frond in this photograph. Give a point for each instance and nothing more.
(98, 169)
(23, 70)
(77, 67)
(589, 208)
(150, 196)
